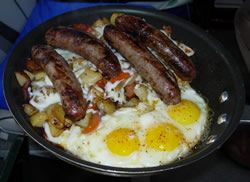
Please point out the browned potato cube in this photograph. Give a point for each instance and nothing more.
(29, 109)
(68, 123)
(141, 92)
(22, 78)
(113, 17)
(100, 22)
(38, 119)
(132, 102)
(107, 106)
(56, 115)
(55, 132)
(90, 77)
(40, 75)
(31, 75)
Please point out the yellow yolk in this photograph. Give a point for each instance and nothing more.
(185, 113)
(122, 141)
(164, 137)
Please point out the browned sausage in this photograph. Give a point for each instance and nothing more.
(87, 46)
(145, 63)
(160, 43)
(63, 80)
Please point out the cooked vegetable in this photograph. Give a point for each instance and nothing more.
(129, 90)
(55, 132)
(95, 91)
(22, 78)
(100, 22)
(56, 115)
(121, 76)
(39, 75)
(141, 92)
(107, 106)
(29, 109)
(84, 122)
(132, 102)
(38, 119)
(90, 77)
(114, 16)
(82, 27)
(30, 75)
(93, 123)
(101, 83)
(68, 123)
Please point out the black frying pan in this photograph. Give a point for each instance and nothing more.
(218, 79)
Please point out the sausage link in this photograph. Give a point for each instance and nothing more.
(87, 46)
(63, 80)
(145, 63)
(160, 43)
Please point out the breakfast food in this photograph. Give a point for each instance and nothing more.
(87, 46)
(162, 80)
(158, 42)
(64, 81)
(130, 118)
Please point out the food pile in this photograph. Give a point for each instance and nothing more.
(115, 92)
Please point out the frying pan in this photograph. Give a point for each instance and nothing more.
(218, 80)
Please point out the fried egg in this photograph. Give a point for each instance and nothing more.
(190, 116)
(123, 140)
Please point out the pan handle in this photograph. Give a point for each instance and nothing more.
(245, 118)
(8, 124)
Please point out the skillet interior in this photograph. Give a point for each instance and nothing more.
(217, 72)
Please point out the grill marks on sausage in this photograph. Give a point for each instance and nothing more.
(87, 46)
(153, 38)
(63, 80)
(163, 82)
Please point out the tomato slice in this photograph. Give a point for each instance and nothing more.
(121, 76)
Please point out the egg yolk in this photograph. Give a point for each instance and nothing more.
(185, 113)
(164, 137)
(122, 141)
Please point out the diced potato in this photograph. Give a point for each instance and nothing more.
(107, 106)
(56, 115)
(40, 75)
(97, 93)
(100, 22)
(55, 132)
(120, 86)
(84, 122)
(132, 102)
(22, 78)
(38, 119)
(114, 16)
(31, 75)
(96, 100)
(90, 77)
(141, 92)
(68, 123)
(29, 109)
